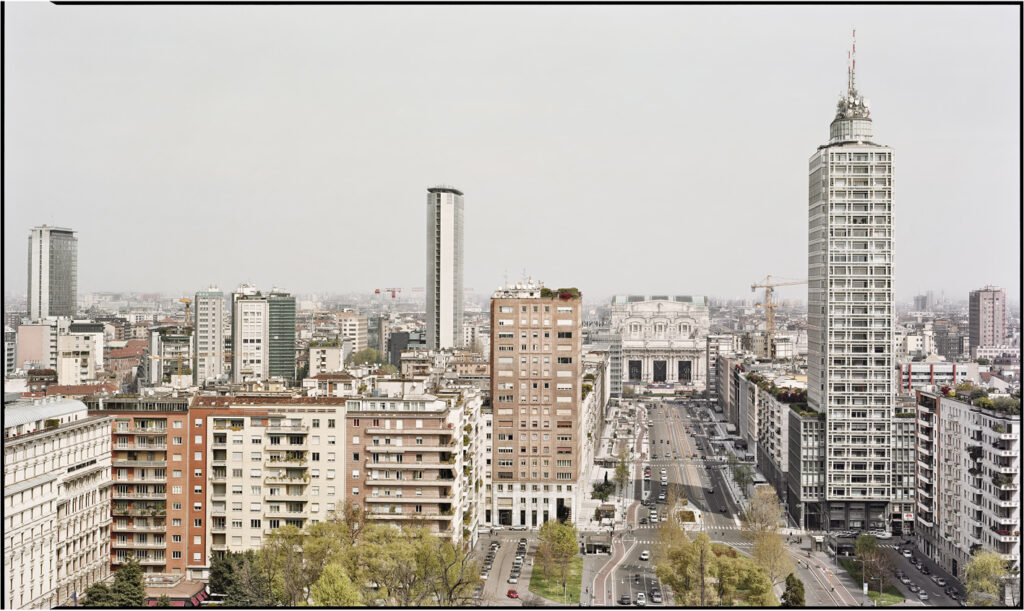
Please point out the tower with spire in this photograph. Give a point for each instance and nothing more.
(860, 480)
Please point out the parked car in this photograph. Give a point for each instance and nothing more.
(656, 596)
(925, 570)
(643, 520)
(913, 588)
(907, 553)
(922, 595)
(513, 579)
(904, 579)
(641, 599)
(939, 580)
(624, 599)
(512, 594)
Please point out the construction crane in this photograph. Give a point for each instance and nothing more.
(769, 308)
(394, 292)
(188, 305)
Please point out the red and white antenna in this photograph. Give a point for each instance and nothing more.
(853, 59)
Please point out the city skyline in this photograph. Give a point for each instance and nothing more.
(210, 144)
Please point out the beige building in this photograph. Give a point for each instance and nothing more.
(536, 380)
(329, 356)
(76, 359)
(354, 327)
(56, 502)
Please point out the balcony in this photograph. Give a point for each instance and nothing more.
(140, 511)
(218, 528)
(218, 511)
(1005, 535)
(281, 461)
(286, 479)
(145, 480)
(219, 547)
(141, 528)
(285, 498)
(139, 447)
(219, 445)
(132, 462)
(376, 430)
(144, 430)
(410, 498)
(288, 429)
(284, 513)
(218, 476)
(141, 496)
(1003, 482)
(146, 561)
(137, 545)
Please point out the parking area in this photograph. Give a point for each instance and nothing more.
(925, 579)
(505, 567)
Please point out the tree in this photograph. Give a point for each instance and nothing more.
(622, 471)
(559, 540)
(163, 601)
(770, 554)
(875, 564)
(762, 513)
(250, 586)
(455, 574)
(628, 392)
(983, 361)
(99, 595)
(743, 476)
(728, 574)
(129, 588)
(794, 594)
(335, 589)
(703, 568)
(983, 579)
(366, 356)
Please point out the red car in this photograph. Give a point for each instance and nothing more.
(512, 594)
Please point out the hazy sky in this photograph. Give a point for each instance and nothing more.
(617, 149)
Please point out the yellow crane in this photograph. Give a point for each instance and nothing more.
(769, 308)
(188, 305)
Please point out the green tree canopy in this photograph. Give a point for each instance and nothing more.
(983, 580)
(129, 587)
(99, 595)
(366, 356)
(794, 594)
(335, 589)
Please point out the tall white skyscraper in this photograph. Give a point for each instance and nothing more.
(52, 272)
(850, 318)
(250, 335)
(444, 268)
(210, 312)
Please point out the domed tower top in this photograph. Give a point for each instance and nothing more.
(853, 119)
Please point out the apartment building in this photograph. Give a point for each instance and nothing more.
(210, 311)
(806, 475)
(250, 335)
(52, 272)
(329, 356)
(987, 318)
(412, 456)
(910, 375)
(171, 350)
(76, 358)
(153, 484)
(353, 326)
(716, 345)
(536, 395)
(56, 501)
(270, 462)
(445, 302)
(850, 317)
(968, 480)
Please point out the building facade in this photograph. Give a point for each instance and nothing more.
(250, 335)
(536, 379)
(210, 312)
(968, 481)
(281, 327)
(52, 272)
(850, 314)
(664, 338)
(354, 327)
(987, 318)
(56, 502)
(445, 301)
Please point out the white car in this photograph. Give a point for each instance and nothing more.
(641, 600)
(645, 555)
(880, 534)
(907, 553)
(922, 595)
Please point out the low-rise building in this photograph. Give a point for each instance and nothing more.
(329, 356)
(56, 501)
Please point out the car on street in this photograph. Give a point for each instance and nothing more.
(513, 578)
(519, 527)
(656, 596)
(636, 577)
(881, 534)
(922, 595)
(913, 587)
(646, 555)
(722, 509)
(484, 574)
(512, 594)
(904, 579)
(925, 570)
(641, 600)
(654, 455)
(661, 497)
(624, 599)
(939, 580)
(643, 520)
(907, 553)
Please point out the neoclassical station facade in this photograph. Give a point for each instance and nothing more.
(664, 339)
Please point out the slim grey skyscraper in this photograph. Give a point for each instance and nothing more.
(209, 313)
(850, 319)
(52, 272)
(987, 318)
(444, 268)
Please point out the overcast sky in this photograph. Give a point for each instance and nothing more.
(617, 149)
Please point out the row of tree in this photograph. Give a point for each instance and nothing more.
(346, 561)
